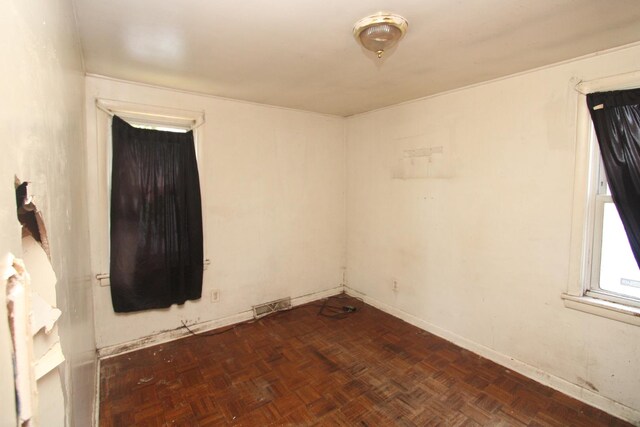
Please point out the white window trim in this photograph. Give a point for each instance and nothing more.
(578, 295)
(139, 113)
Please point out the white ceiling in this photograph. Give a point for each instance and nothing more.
(301, 53)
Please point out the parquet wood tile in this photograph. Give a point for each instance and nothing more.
(302, 368)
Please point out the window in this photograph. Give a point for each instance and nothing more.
(156, 234)
(99, 147)
(614, 274)
(604, 278)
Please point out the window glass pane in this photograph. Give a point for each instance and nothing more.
(618, 269)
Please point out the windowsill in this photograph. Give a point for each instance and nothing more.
(608, 309)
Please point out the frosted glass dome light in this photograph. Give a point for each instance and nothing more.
(380, 32)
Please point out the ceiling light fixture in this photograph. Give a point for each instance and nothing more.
(380, 32)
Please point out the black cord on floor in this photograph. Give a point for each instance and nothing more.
(338, 312)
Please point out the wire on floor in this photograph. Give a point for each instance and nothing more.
(339, 311)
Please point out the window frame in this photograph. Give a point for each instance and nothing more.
(583, 292)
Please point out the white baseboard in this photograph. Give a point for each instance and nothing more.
(584, 395)
(96, 397)
(137, 344)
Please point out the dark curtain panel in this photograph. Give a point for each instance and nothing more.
(617, 123)
(156, 219)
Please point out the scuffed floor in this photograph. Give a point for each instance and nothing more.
(320, 365)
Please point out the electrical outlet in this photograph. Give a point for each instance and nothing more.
(396, 288)
(215, 295)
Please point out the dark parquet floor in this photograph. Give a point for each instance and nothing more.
(311, 367)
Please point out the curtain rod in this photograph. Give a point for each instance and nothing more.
(618, 82)
(112, 112)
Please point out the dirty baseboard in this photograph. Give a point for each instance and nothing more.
(580, 393)
(96, 397)
(180, 332)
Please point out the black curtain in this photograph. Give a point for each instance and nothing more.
(156, 219)
(616, 119)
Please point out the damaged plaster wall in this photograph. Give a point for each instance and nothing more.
(42, 140)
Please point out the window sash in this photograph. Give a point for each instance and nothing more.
(601, 197)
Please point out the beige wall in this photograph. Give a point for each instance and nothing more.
(478, 240)
(274, 207)
(42, 140)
